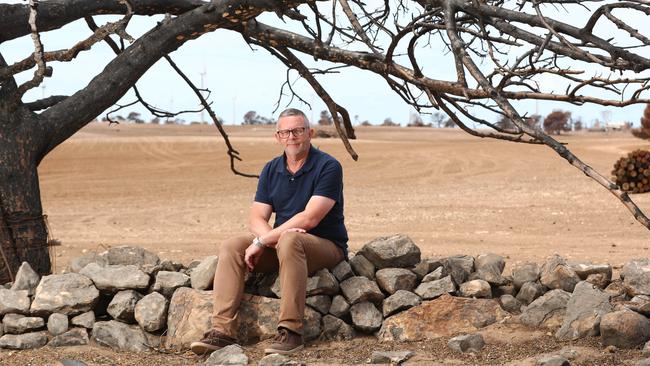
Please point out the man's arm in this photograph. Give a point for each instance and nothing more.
(314, 212)
(258, 220)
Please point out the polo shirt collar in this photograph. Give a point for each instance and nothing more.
(309, 164)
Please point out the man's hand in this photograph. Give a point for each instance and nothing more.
(252, 256)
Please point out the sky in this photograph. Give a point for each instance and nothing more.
(243, 79)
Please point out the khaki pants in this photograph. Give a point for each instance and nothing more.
(295, 257)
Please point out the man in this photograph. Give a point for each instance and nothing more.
(304, 187)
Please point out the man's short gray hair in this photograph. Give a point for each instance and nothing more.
(293, 112)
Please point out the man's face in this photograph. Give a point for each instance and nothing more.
(294, 146)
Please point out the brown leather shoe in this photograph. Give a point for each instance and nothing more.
(212, 341)
(285, 342)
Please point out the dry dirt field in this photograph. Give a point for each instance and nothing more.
(169, 189)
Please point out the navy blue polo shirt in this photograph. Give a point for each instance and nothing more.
(288, 194)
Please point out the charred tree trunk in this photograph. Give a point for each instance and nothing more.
(23, 234)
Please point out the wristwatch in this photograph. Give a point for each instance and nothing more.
(258, 243)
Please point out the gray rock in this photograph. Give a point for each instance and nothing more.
(552, 360)
(434, 289)
(391, 357)
(489, 268)
(321, 303)
(504, 290)
(435, 275)
(86, 320)
(335, 329)
(167, 282)
(547, 310)
(528, 272)
(229, 355)
(600, 280)
(26, 279)
(392, 251)
(425, 267)
(400, 300)
(583, 270)
(23, 341)
(467, 343)
(14, 301)
(358, 289)
(366, 317)
(616, 289)
(151, 312)
(68, 294)
(342, 271)
(530, 291)
(128, 255)
(203, 274)
(340, 307)
(510, 304)
(57, 324)
(475, 288)
(275, 359)
(393, 279)
(311, 324)
(644, 362)
(362, 266)
(636, 277)
(18, 324)
(322, 282)
(624, 329)
(556, 274)
(122, 306)
(583, 313)
(78, 263)
(459, 267)
(73, 337)
(114, 278)
(646, 349)
(120, 336)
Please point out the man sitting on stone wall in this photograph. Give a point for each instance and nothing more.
(304, 187)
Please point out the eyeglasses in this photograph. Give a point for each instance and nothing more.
(297, 132)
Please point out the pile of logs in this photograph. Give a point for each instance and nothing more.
(632, 172)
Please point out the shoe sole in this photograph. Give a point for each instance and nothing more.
(283, 352)
(201, 348)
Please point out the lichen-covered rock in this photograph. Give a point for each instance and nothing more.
(399, 301)
(434, 289)
(617, 290)
(530, 291)
(435, 275)
(122, 306)
(18, 324)
(23, 341)
(391, 357)
(600, 280)
(625, 329)
(510, 304)
(78, 263)
(362, 266)
(475, 288)
(443, 317)
(128, 255)
(114, 278)
(14, 301)
(339, 307)
(229, 355)
(583, 313)
(552, 360)
(547, 310)
(151, 312)
(556, 274)
(393, 279)
(425, 267)
(489, 268)
(73, 337)
(365, 317)
(459, 267)
(467, 343)
(86, 320)
(336, 329)
(311, 327)
(583, 270)
(358, 289)
(396, 251)
(322, 282)
(26, 279)
(202, 276)
(69, 294)
(57, 324)
(636, 277)
(320, 303)
(118, 335)
(167, 282)
(528, 272)
(342, 271)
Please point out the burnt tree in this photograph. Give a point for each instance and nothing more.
(500, 51)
